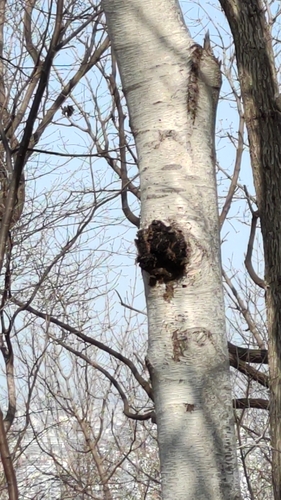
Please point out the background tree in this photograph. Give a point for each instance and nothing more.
(259, 90)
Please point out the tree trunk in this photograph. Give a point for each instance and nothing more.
(171, 87)
(259, 88)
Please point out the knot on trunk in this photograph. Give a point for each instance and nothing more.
(162, 252)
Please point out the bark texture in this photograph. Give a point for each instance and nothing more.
(255, 61)
(171, 87)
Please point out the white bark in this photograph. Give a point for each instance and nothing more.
(187, 342)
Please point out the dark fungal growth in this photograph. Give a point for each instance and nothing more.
(162, 252)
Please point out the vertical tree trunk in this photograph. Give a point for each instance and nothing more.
(255, 61)
(171, 87)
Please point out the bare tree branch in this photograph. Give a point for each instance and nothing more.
(248, 370)
(249, 355)
(7, 462)
(242, 403)
(248, 259)
(143, 383)
(127, 411)
(244, 311)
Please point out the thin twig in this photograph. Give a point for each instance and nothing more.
(129, 307)
(235, 176)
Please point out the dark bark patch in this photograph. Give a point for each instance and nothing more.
(169, 293)
(172, 166)
(162, 252)
(189, 407)
(179, 345)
